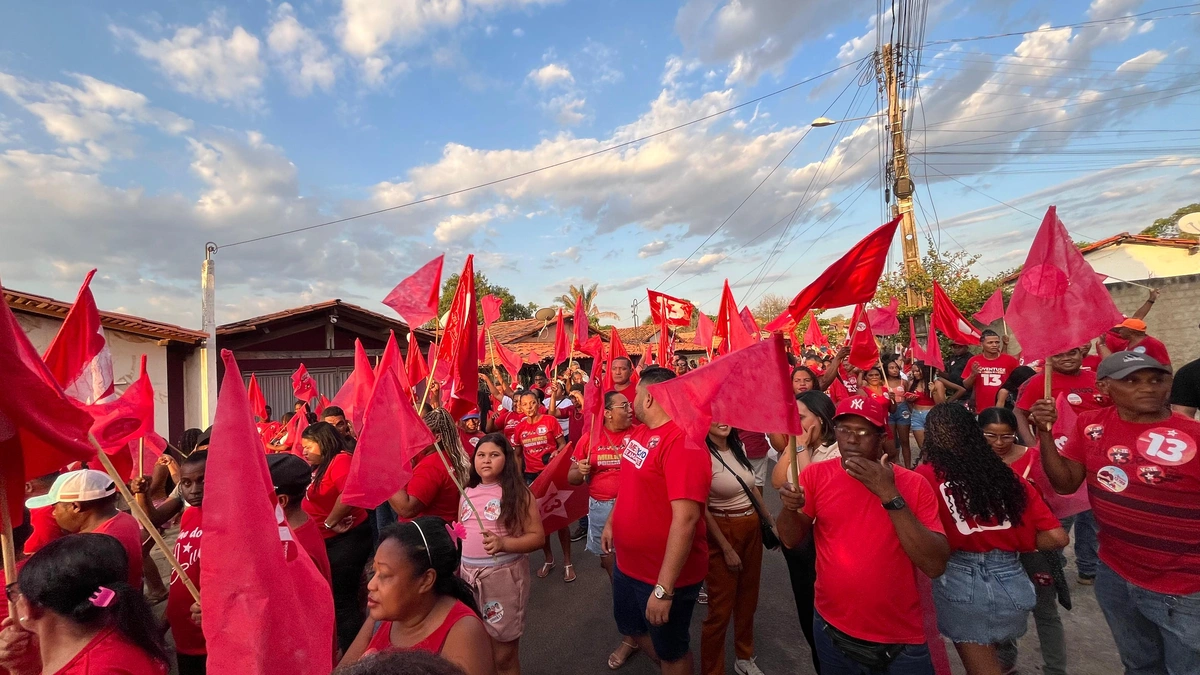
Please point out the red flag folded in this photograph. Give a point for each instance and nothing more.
(948, 319)
(391, 362)
(78, 356)
(416, 298)
(1059, 303)
(864, 351)
(669, 310)
(580, 321)
(719, 391)
(511, 360)
(914, 345)
(797, 346)
(593, 394)
(616, 349)
(258, 403)
(417, 369)
(356, 391)
(248, 580)
(562, 345)
(295, 429)
(884, 320)
(813, 337)
(457, 368)
(750, 324)
(852, 279)
(992, 309)
(391, 436)
(704, 332)
(491, 309)
(321, 404)
(933, 350)
(731, 332)
(647, 355)
(559, 502)
(303, 385)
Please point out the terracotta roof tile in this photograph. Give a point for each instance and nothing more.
(37, 304)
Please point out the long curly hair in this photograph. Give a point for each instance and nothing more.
(514, 494)
(441, 423)
(980, 483)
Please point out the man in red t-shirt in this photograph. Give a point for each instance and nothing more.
(866, 514)
(1131, 336)
(538, 436)
(987, 371)
(1069, 379)
(469, 433)
(1139, 461)
(657, 529)
(45, 527)
(86, 501)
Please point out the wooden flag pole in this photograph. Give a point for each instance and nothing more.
(433, 365)
(1047, 370)
(6, 542)
(136, 510)
(794, 469)
(141, 456)
(437, 447)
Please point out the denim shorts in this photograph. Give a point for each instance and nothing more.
(916, 419)
(900, 415)
(983, 598)
(597, 516)
(671, 640)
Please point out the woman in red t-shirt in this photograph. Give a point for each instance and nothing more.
(416, 602)
(348, 536)
(432, 490)
(77, 590)
(990, 516)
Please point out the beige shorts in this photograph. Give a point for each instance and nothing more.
(502, 593)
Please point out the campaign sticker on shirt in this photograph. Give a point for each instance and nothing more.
(541, 429)
(1151, 474)
(1119, 454)
(1074, 399)
(635, 454)
(1140, 349)
(1167, 446)
(493, 612)
(491, 510)
(1112, 478)
(1094, 431)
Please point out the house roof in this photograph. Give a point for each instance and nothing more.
(506, 332)
(37, 304)
(637, 334)
(1123, 238)
(253, 323)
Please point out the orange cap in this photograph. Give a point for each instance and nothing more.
(1134, 324)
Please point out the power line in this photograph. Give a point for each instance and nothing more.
(1140, 16)
(555, 165)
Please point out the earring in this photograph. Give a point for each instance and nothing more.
(23, 619)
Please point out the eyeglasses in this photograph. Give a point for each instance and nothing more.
(1000, 437)
(11, 591)
(624, 406)
(847, 431)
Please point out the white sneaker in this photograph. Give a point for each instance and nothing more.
(746, 667)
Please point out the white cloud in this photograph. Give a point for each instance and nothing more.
(700, 265)
(571, 253)
(550, 75)
(459, 228)
(567, 110)
(300, 54)
(652, 249)
(518, 32)
(209, 61)
(1145, 61)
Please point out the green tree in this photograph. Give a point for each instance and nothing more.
(1156, 228)
(567, 301)
(510, 309)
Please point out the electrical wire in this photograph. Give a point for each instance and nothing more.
(1140, 16)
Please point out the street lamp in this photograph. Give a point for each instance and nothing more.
(825, 121)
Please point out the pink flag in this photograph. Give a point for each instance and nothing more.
(391, 436)
(258, 404)
(992, 309)
(884, 320)
(580, 320)
(416, 298)
(1058, 288)
(704, 332)
(78, 356)
(249, 580)
(356, 391)
(559, 502)
(303, 385)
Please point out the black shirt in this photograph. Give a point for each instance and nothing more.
(955, 365)
(1186, 389)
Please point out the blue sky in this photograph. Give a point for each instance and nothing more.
(130, 136)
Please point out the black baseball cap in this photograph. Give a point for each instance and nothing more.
(289, 473)
(1121, 364)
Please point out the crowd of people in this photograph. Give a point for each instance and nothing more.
(918, 502)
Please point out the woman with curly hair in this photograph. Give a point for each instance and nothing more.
(990, 516)
(432, 490)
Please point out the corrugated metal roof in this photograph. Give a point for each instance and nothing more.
(246, 325)
(37, 304)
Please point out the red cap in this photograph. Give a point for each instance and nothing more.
(865, 407)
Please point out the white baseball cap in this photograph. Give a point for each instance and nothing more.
(75, 486)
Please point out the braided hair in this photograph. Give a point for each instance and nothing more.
(441, 423)
(980, 483)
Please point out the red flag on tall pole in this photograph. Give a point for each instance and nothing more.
(797, 346)
(933, 350)
(303, 385)
(885, 320)
(457, 358)
(1059, 303)
(258, 403)
(511, 360)
(593, 394)
(948, 319)
(491, 309)
(580, 321)
(392, 434)
(669, 310)
(864, 351)
(704, 332)
(851, 280)
(249, 579)
(562, 345)
(731, 332)
(124, 420)
(914, 345)
(992, 309)
(559, 502)
(813, 337)
(751, 324)
(416, 298)
(78, 356)
(392, 362)
(666, 341)
(418, 369)
(356, 391)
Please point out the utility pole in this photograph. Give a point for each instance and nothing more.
(902, 189)
(208, 360)
(635, 306)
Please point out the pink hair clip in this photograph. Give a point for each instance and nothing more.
(456, 531)
(103, 597)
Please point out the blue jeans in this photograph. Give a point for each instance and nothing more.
(1087, 547)
(1156, 633)
(914, 660)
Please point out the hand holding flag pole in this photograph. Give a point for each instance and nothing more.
(6, 541)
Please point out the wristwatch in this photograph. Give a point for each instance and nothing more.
(661, 593)
(896, 504)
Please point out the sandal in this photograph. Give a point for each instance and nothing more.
(545, 571)
(568, 573)
(615, 661)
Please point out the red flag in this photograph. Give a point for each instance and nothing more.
(731, 331)
(416, 298)
(491, 309)
(864, 351)
(151, 447)
(457, 358)
(303, 385)
(559, 502)
(666, 342)
(1059, 303)
(884, 320)
(813, 337)
(511, 360)
(417, 369)
(933, 350)
(797, 347)
(295, 429)
(751, 324)
(704, 332)
(562, 345)
(593, 393)
(249, 580)
(41, 430)
(950, 321)
(719, 391)
(850, 280)
(616, 349)
(78, 356)
(391, 436)
(669, 310)
(258, 404)
(647, 355)
(580, 320)
(992, 309)
(124, 420)
(914, 345)
(356, 391)
(391, 362)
